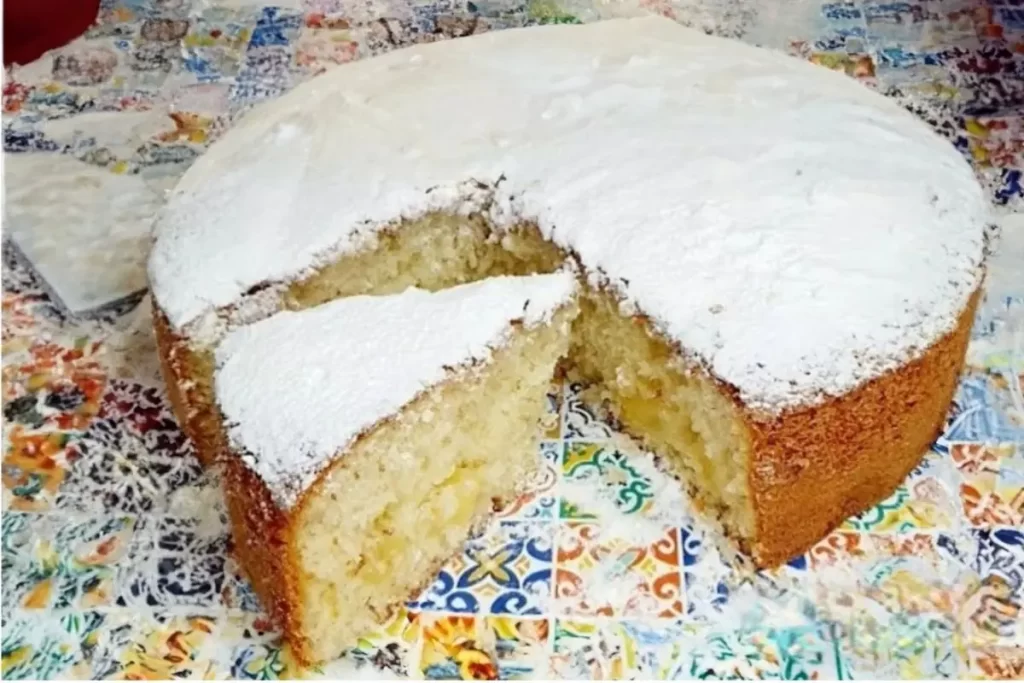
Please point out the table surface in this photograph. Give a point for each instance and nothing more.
(116, 556)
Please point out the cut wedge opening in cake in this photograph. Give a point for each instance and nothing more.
(465, 390)
(433, 252)
(680, 415)
(628, 365)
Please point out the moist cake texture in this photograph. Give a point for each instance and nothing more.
(778, 268)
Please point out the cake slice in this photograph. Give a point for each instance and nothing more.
(370, 435)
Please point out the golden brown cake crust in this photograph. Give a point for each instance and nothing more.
(263, 541)
(814, 467)
(260, 531)
(185, 373)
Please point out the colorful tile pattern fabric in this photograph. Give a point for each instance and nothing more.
(116, 555)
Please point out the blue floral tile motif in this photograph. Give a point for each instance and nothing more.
(849, 39)
(977, 416)
(16, 140)
(705, 576)
(214, 47)
(538, 502)
(275, 27)
(580, 420)
(508, 570)
(1010, 15)
(995, 315)
(711, 579)
(1010, 187)
(844, 10)
(237, 592)
(1001, 552)
(266, 74)
(890, 22)
(185, 565)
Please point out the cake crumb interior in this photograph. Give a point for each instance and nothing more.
(404, 499)
(679, 415)
(436, 251)
(630, 369)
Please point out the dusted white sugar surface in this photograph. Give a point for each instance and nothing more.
(298, 387)
(795, 231)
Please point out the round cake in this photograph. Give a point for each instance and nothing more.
(778, 267)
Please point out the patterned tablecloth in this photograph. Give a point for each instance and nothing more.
(116, 558)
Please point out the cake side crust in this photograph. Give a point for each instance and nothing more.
(263, 542)
(813, 468)
(189, 389)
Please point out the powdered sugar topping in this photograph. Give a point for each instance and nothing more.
(797, 233)
(297, 388)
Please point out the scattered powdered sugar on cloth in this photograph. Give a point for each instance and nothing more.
(619, 589)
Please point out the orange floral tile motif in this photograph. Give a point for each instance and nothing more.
(57, 386)
(599, 573)
(190, 127)
(458, 647)
(51, 393)
(991, 613)
(907, 575)
(34, 466)
(17, 322)
(169, 650)
(484, 648)
(838, 548)
(992, 492)
(996, 663)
